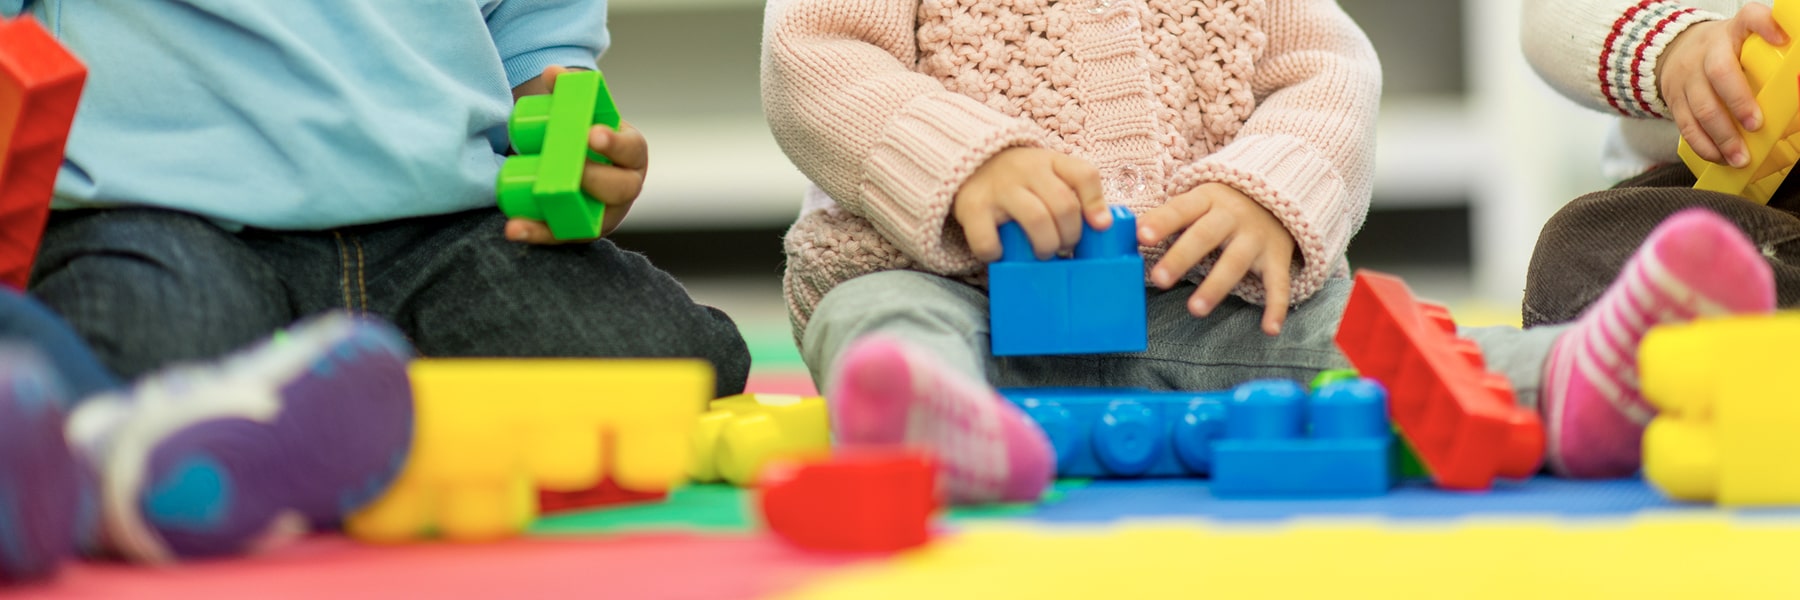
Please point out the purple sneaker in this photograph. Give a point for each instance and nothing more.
(42, 503)
(273, 441)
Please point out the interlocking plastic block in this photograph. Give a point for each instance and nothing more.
(40, 84)
(740, 435)
(1104, 433)
(1088, 304)
(1280, 443)
(1328, 377)
(1729, 424)
(489, 433)
(550, 134)
(1774, 74)
(859, 500)
(1460, 418)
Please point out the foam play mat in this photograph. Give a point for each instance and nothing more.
(1087, 539)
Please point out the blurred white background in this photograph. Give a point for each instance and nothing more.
(1474, 152)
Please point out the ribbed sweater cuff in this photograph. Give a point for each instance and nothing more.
(1628, 55)
(1297, 185)
(922, 158)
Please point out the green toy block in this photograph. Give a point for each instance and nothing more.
(1410, 467)
(550, 134)
(1326, 378)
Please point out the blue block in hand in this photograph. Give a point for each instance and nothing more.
(1088, 304)
(1278, 443)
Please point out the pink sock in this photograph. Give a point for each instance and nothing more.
(884, 392)
(1694, 264)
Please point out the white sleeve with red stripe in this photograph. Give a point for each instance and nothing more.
(1602, 53)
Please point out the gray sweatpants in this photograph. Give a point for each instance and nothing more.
(950, 320)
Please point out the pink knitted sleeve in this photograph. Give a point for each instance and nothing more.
(887, 143)
(1307, 153)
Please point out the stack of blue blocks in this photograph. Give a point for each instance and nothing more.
(1088, 304)
(1263, 439)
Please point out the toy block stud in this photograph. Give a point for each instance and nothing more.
(860, 500)
(550, 133)
(1090, 303)
(1118, 433)
(40, 85)
(738, 436)
(1460, 419)
(1726, 431)
(489, 434)
(1774, 73)
(1280, 443)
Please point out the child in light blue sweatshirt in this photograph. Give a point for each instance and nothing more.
(236, 166)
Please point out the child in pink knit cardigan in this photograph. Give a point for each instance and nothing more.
(1241, 132)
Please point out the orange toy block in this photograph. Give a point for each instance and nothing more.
(40, 84)
(1774, 72)
(490, 433)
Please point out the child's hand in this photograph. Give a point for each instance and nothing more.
(1704, 84)
(1045, 191)
(1215, 215)
(616, 185)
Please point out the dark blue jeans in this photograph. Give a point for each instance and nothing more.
(27, 324)
(148, 287)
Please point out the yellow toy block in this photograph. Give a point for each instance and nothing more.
(1729, 428)
(489, 433)
(1774, 72)
(741, 434)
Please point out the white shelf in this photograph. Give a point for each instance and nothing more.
(715, 174)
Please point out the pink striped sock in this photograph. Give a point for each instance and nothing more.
(885, 392)
(1694, 264)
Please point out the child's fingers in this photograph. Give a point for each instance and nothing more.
(1756, 18)
(1084, 179)
(549, 77)
(1689, 124)
(978, 226)
(1728, 81)
(625, 147)
(1026, 209)
(1200, 239)
(1276, 291)
(529, 232)
(610, 184)
(1233, 264)
(1161, 222)
(1060, 201)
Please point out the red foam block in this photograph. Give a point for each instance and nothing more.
(40, 84)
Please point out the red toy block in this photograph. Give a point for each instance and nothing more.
(600, 496)
(40, 84)
(1460, 418)
(868, 500)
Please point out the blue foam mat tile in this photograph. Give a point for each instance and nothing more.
(1107, 501)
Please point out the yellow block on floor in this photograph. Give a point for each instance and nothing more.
(488, 434)
(1710, 557)
(740, 435)
(1729, 426)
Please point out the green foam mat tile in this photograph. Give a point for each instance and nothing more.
(708, 508)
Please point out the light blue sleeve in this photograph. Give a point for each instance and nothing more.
(11, 8)
(533, 34)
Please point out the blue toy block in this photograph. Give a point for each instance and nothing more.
(1277, 443)
(1100, 433)
(1091, 303)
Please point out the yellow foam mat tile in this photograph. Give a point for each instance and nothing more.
(1664, 557)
